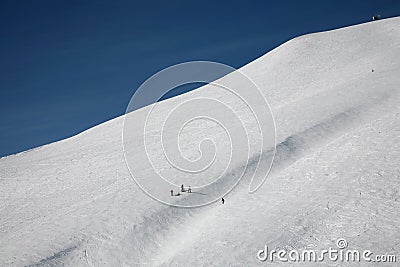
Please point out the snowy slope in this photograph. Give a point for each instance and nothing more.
(336, 172)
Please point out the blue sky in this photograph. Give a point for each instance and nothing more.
(69, 65)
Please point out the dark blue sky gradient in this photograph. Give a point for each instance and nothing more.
(66, 66)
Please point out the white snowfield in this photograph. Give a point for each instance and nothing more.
(335, 98)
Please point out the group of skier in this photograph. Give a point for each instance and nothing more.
(189, 190)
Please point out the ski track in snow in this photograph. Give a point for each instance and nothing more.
(335, 173)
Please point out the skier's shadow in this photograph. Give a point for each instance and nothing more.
(191, 192)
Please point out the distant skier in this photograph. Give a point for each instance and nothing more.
(172, 193)
(376, 17)
(223, 200)
(182, 188)
(189, 190)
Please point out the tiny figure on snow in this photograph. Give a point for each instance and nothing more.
(172, 193)
(376, 17)
(182, 188)
(223, 200)
(190, 189)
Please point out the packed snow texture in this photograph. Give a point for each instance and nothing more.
(336, 174)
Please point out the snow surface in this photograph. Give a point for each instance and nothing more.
(336, 173)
